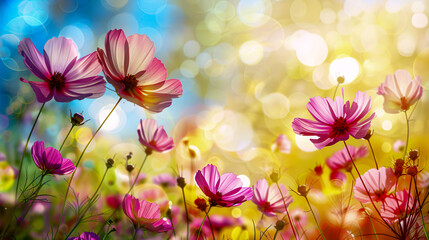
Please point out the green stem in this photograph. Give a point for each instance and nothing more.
(373, 154)
(88, 206)
(408, 133)
(315, 219)
(131, 188)
(420, 208)
(287, 212)
(135, 232)
(211, 227)
(202, 223)
(66, 137)
(187, 216)
(77, 164)
(39, 186)
(275, 234)
(335, 92)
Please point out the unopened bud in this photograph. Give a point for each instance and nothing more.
(274, 176)
(368, 135)
(129, 156)
(110, 162)
(148, 151)
(340, 79)
(412, 170)
(280, 224)
(318, 170)
(413, 155)
(181, 182)
(201, 204)
(302, 189)
(130, 167)
(77, 119)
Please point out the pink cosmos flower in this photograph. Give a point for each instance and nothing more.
(165, 180)
(154, 137)
(337, 178)
(145, 214)
(64, 76)
(282, 144)
(395, 206)
(335, 121)
(423, 180)
(341, 159)
(268, 198)
(380, 184)
(129, 65)
(398, 146)
(50, 160)
(86, 236)
(226, 190)
(400, 91)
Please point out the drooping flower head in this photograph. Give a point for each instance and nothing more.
(341, 159)
(86, 236)
(282, 144)
(380, 183)
(400, 91)
(395, 206)
(145, 214)
(153, 137)
(268, 199)
(50, 160)
(225, 191)
(64, 76)
(129, 65)
(165, 180)
(335, 121)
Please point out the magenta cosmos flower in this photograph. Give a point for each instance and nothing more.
(86, 236)
(64, 76)
(225, 191)
(335, 121)
(400, 91)
(50, 160)
(145, 214)
(380, 183)
(395, 206)
(153, 137)
(268, 199)
(341, 159)
(129, 65)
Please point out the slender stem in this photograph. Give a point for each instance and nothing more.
(315, 219)
(211, 227)
(131, 188)
(420, 208)
(39, 186)
(172, 223)
(135, 232)
(202, 223)
(275, 234)
(366, 189)
(66, 137)
(88, 206)
(408, 133)
(77, 164)
(373, 154)
(287, 212)
(25, 150)
(187, 214)
(335, 92)
(20, 168)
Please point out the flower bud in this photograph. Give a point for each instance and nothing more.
(110, 162)
(368, 135)
(129, 156)
(412, 170)
(318, 170)
(181, 182)
(201, 204)
(340, 79)
(77, 119)
(274, 176)
(148, 151)
(302, 189)
(399, 166)
(130, 167)
(280, 224)
(413, 155)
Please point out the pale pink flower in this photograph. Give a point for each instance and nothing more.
(129, 65)
(268, 198)
(335, 121)
(225, 191)
(145, 214)
(64, 76)
(337, 178)
(153, 137)
(341, 159)
(398, 146)
(380, 183)
(400, 91)
(165, 180)
(282, 144)
(50, 160)
(423, 180)
(395, 206)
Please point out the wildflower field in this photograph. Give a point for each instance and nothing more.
(214, 119)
